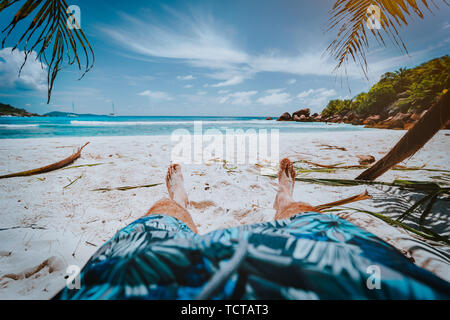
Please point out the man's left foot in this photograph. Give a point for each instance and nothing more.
(175, 185)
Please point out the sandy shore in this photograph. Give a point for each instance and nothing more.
(48, 223)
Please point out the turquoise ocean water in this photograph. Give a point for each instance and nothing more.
(46, 127)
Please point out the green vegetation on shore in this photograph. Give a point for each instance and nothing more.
(7, 110)
(403, 91)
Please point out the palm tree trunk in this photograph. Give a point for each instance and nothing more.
(434, 120)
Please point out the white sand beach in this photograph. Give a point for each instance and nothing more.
(47, 222)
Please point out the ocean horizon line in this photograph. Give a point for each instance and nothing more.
(143, 116)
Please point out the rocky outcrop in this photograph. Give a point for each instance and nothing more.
(357, 121)
(285, 117)
(301, 118)
(399, 121)
(370, 121)
(303, 112)
(303, 115)
(269, 118)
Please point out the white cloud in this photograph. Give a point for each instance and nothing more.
(188, 86)
(275, 97)
(223, 91)
(32, 77)
(198, 40)
(305, 94)
(272, 91)
(156, 95)
(137, 80)
(230, 82)
(201, 93)
(91, 92)
(291, 81)
(186, 78)
(306, 63)
(194, 38)
(316, 98)
(238, 98)
(378, 63)
(322, 92)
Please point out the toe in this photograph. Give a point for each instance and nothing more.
(292, 172)
(284, 167)
(284, 163)
(169, 174)
(175, 169)
(172, 170)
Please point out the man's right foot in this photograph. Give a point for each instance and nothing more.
(286, 176)
(175, 185)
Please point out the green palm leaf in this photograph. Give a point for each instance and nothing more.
(350, 17)
(50, 36)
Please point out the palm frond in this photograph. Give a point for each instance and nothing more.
(425, 233)
(407, 209)
(350, 17)
(419, 186)
(50, 36)
(396, 201)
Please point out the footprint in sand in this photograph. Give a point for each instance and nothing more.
(222, 183)
(47, 267)
(202, 205)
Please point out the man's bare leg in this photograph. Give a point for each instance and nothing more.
(284, 203)
(177, 205)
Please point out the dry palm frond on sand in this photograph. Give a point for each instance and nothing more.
(126, 188)
(360, 197)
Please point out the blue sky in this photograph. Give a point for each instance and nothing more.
(224, 58)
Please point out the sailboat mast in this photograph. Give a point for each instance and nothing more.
(113, 109)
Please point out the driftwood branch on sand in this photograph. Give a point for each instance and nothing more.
(52, 167)
(425, 129)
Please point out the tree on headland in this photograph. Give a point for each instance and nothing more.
(405, 90)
